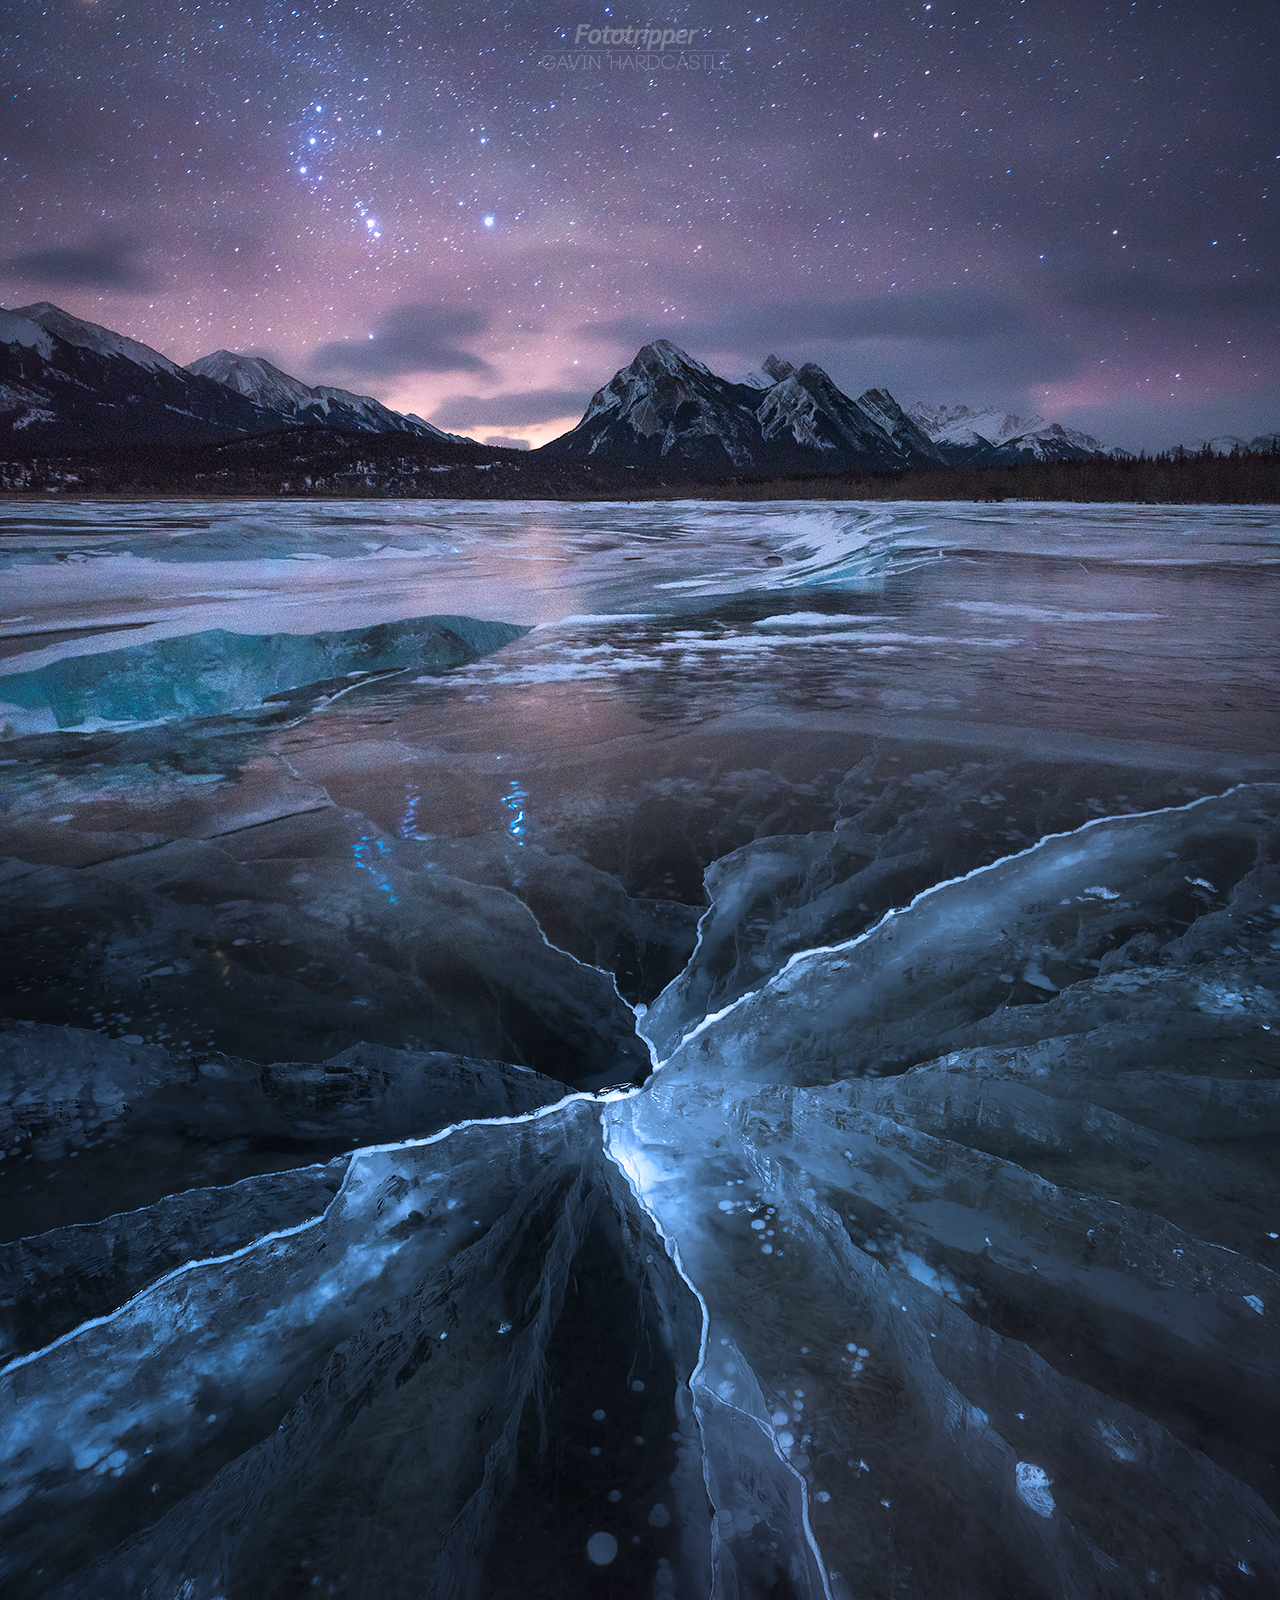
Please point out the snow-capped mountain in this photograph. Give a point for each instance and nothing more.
(667, 407)
(962, 433)
(1222, 444)
(913, 442)
(68, 384)
(300, 403)
(89, 336)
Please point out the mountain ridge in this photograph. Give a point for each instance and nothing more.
(963, 434)
(667, 407)
(267, 385)
(70, 385)
(67, 384)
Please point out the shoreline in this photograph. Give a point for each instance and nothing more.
(338, 468)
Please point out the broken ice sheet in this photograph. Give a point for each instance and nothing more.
(919, 1329)
(222, 1382)
(962, 1295)
(1009, 1294)
(207, 674)
(974, 1203)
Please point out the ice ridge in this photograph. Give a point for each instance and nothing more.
(216, 672)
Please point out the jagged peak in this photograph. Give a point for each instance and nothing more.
(776, 368)
(661, 355)
(812, 374)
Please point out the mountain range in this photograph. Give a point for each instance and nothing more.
(67, 385)
(667, 407)
(303, 406)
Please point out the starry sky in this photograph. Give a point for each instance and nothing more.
(1056, 207)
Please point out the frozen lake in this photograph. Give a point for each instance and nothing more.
(363, 860)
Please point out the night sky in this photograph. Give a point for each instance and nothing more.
(1060, 206)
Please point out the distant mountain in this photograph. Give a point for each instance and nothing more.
(666, 404)
(1222, 444)
(89, 336)
(668, 408)
(962, 434)
(298, 403)
(68, 384)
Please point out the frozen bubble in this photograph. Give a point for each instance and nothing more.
(659, 1517)
(601, 1549)
(1033, 1488)
(597, 1416)
(614, 1496)
(823, 1496)
(637, 1386)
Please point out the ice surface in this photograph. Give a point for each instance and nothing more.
(205, 674)
(937, 1254)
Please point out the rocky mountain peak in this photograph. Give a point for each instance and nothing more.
(662, 357)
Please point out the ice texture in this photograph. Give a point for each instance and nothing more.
(912, 1248)
(206, 674)
(257, 953)
(767, 1087)
(1017, 1284)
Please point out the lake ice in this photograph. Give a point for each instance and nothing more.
(663, 1050)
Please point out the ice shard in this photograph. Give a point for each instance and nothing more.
(211, 673)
